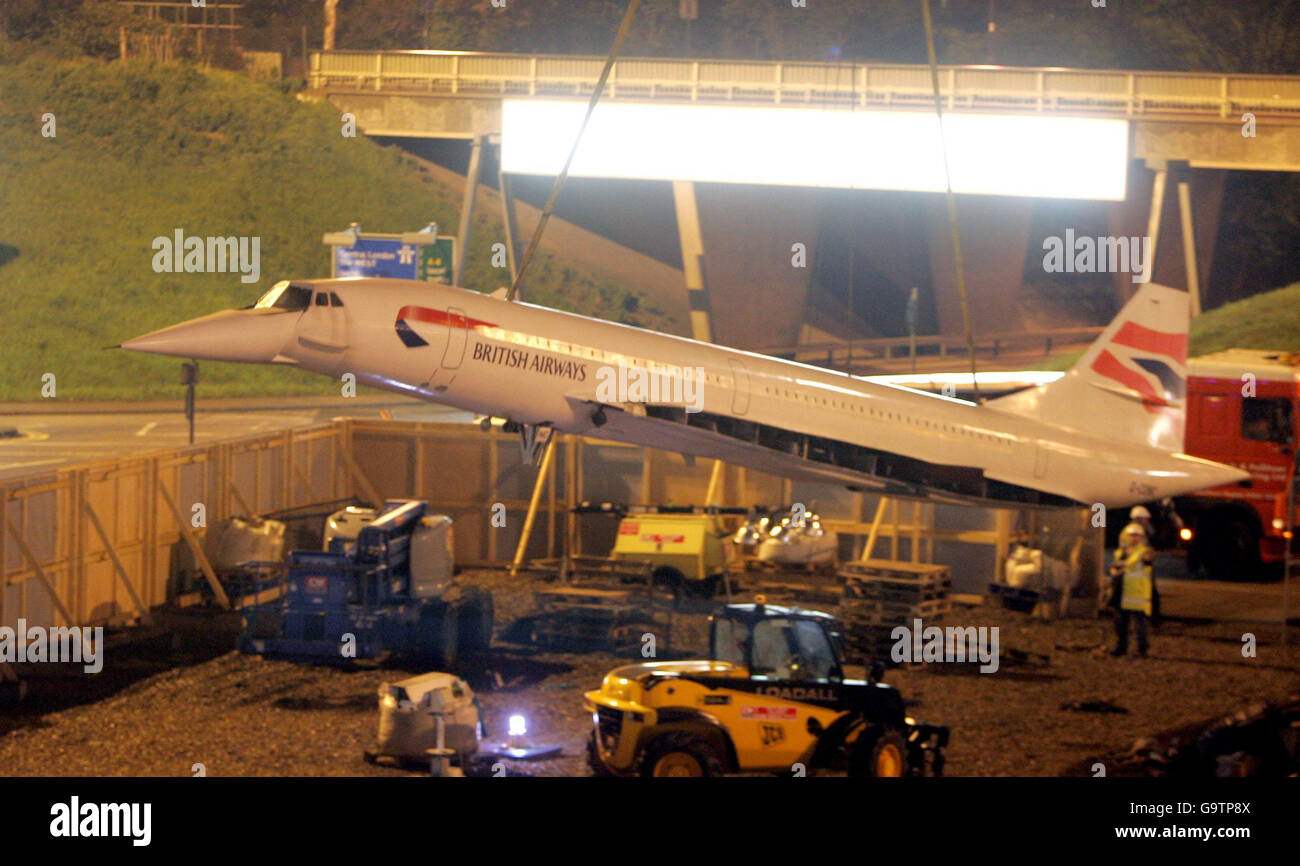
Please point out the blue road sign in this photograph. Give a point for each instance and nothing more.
(377, 257)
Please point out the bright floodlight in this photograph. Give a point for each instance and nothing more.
(517, 726)
(1022, 155)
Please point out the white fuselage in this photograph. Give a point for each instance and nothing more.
(534, 365)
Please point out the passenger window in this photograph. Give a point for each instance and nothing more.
(1266, 420)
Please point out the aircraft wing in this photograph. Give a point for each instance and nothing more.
(639, 423)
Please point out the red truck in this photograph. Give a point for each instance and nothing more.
(1242, 410)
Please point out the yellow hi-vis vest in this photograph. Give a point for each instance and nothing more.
(1136, 592)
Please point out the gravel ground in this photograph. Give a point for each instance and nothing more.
(240, 715)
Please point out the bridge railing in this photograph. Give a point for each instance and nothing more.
(882, 351)
(845, 85)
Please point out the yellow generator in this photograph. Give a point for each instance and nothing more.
(684, 550)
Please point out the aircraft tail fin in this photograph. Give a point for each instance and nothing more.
(1131, 384)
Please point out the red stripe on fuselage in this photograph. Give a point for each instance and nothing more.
(1135, 336)
(1111, 367)
(441, 317)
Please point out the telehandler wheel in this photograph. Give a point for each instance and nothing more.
(680, 755)
(438, 637)
(476, 619)
(879, 755)
(594, 762)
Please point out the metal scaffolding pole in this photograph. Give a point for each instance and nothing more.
(692, 240)
(543, 473)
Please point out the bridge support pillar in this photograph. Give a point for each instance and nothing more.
(510, 220)
(1157, 211)
(467, 209)
(692, 241)
(1189, 246)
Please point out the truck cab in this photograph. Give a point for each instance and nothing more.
(1241, 410)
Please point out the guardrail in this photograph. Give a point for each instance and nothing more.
(846, 85)
(838, 354)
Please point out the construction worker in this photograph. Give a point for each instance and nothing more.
(1139, 515)
(1133, 593)
(1139, 518)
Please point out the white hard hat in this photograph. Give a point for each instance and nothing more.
(1133, 529)
(1137, 512)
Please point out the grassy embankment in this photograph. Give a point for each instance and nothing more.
(1270, 320)
(144, 149)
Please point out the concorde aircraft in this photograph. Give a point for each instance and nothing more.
(1110, 431)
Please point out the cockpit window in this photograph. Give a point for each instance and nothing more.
(322, 299)
(335, 301)
(285, 296)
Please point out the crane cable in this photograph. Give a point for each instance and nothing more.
(564, 173)
(952, 199)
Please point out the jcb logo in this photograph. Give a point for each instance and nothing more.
(770, 734)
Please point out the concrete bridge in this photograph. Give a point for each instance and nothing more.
(1185, 131)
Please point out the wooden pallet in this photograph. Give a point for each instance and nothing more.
(869, 642)
(582, 569)
(898, 593)
(891, 569)
(802, 581)
(753, 565)
(581, 596)
(868, 613)
(887, 593)
(601, 612)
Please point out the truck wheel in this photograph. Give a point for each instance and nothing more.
(1229, 550)
(706, 588)
(680, 755)
(594, 762)
(437, 637)
(477, 613)
(883, 755)
(668, 577)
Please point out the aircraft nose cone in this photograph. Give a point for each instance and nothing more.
(1209, 474)
(250, 336)
(1232, 475)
